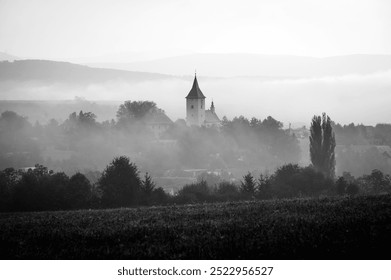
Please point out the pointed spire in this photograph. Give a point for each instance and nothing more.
(195, 92)
(212, 107)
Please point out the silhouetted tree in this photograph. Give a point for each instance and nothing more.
(147, 184)
(25, 194)
(322, 145)
(8, 179)
(52, 191)
(147, 187)
(248, 186)
(291, 180)
(40, 189)
(120, 183)
(78, 193)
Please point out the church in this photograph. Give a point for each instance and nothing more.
(196, 115)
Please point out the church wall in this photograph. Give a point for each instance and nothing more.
(195, 112)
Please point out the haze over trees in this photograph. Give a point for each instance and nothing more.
(83, 147)
(81, 143)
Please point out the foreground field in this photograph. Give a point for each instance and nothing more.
(328, 228)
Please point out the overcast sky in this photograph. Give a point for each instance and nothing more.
(82, 28)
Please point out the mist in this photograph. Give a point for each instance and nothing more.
(349, 98)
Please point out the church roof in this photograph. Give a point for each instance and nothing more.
(211, 117)
(156, 118)
(195, 92)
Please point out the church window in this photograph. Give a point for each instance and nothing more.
(192, 106)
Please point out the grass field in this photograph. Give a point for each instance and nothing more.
(328, 228)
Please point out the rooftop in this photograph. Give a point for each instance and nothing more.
(195, 92)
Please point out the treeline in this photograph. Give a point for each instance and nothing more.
(120, 185)
(360, 134)
(288, 181)
(81, 143)
(39, 189)
(363, 148)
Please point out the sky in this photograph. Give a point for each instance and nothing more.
(60, 29)
(73, 30)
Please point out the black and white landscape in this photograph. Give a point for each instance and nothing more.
(195, 129)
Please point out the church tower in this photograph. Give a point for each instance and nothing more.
(195, 105)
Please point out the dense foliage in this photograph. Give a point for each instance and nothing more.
(120, 185)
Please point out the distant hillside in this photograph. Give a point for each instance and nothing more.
(7, 57)
(65, 72)
(235, 64)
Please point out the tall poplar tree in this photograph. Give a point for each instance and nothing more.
(322, 145)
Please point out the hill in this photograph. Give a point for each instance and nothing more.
(65, 72)
(236, 64)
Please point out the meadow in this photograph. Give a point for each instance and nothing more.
(307, 228)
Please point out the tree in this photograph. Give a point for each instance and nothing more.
(264, 187)
(136, 110)
(40, 189)
(79, 192)
(8, 180)
(322, 145)
(148, 185)
(11, 121)
(120, 183)
(194, 193)
(377, 182)
(248, 187)
(291, 180)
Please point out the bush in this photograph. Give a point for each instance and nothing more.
(195, 193)
(227, 191)
(292, 180)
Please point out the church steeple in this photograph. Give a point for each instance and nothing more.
(212, 107)
(195, 92)
(195, 105)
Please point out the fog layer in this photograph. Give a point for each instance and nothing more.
(349, 98)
